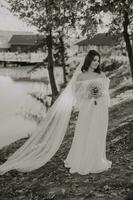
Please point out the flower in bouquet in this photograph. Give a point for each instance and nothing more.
(95, 90)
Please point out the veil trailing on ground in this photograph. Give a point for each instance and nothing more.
(47, 138)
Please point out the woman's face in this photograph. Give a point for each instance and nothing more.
(95, 62)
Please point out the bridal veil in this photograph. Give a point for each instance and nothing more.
(47, 138)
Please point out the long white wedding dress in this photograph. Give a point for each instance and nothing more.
(88, 149)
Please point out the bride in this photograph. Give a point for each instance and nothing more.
(88, 92)
(88, 150)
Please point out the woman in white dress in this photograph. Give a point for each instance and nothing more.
(88, 150)
(88, 92)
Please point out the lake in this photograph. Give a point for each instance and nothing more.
(19, 109)
(20, 112)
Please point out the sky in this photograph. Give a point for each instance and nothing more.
(10, 22)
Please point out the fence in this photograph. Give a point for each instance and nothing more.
(22, 57)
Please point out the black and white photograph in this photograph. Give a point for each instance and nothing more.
(66, 100)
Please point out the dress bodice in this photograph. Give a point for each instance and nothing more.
(84, 86)
(81, 86)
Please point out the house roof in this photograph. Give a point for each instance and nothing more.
(5, 36)
(25, 39)
(100, 39)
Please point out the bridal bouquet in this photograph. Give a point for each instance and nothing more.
(95, 90)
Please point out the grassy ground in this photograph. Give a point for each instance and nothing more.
(53, 181)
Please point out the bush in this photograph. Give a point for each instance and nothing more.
(112, 66)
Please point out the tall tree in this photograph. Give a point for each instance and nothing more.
(48, 16)
(39, 14)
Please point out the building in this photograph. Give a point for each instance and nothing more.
(25, 43)
(104, 43)
(5, 37)
(20, 47)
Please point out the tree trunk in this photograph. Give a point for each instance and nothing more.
(127, 41)
(51, 68)
(63, 58)
(130, 55)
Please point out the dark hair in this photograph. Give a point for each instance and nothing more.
(88, 59)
